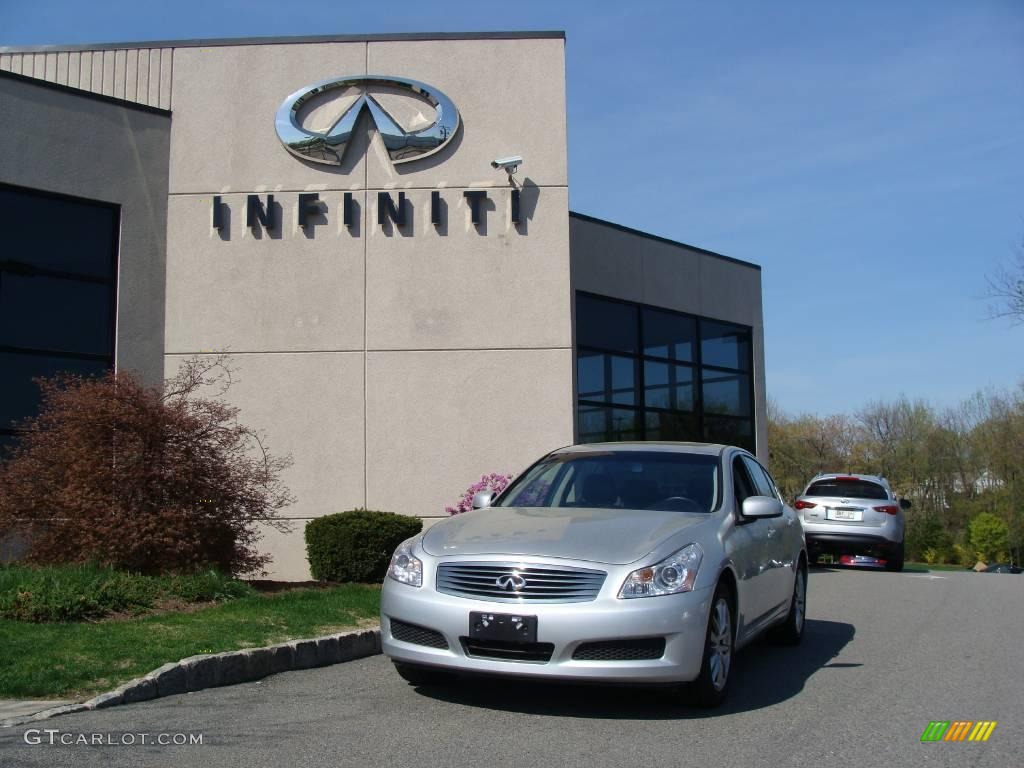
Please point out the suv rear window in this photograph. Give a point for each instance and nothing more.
(854, 489)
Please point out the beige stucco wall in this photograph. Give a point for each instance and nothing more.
(609, 261)
(395, 365)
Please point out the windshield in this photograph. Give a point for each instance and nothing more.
(683, 482)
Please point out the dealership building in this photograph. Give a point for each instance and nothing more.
(404, 316)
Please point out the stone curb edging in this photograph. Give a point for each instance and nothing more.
(211, 670)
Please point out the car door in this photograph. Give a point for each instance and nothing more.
(779, 550)
(749, 552)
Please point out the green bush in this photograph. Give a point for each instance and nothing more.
(927, 533)
(356, 545)
(84, 592)
(989, 536)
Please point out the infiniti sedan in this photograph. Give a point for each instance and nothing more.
(619, 562)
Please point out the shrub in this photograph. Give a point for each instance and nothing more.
(927, 533)
(83, 592)
(356, 545)
(989, 536)
(494, 482)
(143, 479)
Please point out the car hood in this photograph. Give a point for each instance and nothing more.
(613, 536)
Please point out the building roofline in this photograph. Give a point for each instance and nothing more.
(4, 74)
(290, 40)
(659, 239)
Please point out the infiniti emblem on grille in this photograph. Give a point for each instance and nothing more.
(511, 582)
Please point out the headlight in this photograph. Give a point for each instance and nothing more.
(675, 573)
(405, 567)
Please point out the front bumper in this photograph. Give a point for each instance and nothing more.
(680, 619)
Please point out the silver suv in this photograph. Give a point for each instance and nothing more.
(854, 515)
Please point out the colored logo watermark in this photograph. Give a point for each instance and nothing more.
(958, 730)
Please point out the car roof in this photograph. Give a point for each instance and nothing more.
(706, 449)
(832, 475)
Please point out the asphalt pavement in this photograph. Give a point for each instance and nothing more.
(884, 654)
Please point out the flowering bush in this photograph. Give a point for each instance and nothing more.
(494, 482)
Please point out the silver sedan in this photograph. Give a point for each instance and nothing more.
(618, 562)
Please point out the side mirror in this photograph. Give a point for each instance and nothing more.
(482, 499)
(905, 504)
(761, 506)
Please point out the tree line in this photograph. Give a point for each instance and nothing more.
(961, 467)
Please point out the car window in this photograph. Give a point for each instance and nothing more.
(667, 480)
(762, 484)
(853, 488)
(742, 484)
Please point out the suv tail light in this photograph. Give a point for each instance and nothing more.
(889, 509)
(801, 504)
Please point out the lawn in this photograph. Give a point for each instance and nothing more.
(74, 660)
(922, 567)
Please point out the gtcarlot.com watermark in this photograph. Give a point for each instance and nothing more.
(54, 736)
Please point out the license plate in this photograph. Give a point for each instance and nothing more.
(844, 514)
(503, 627)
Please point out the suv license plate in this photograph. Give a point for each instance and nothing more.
(503, 627)
(844, 514)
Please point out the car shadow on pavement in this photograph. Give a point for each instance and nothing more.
(764, 674)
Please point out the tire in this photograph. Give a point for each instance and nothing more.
(415, 675)
(895, 560)
(791, 631)
(711, 686)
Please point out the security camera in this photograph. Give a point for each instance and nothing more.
(509, 164)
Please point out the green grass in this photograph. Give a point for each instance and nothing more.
(75, 660)
(923, 567)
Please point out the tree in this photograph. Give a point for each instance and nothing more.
(989, 536)
(147, 479)
(1006, 290)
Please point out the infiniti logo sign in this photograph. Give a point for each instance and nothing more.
(511, 582)
(329, 146)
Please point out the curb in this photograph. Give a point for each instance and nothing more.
(212, 670)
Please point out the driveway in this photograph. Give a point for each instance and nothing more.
(884, 654)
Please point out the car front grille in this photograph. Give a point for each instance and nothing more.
(528, 583)
(493, 649)
(638, 649)
(417, 635)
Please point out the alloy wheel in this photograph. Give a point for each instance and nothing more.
(720, 644)
(800, 602)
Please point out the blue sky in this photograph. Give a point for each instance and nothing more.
(869, 155)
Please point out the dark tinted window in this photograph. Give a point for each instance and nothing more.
(600, 423)
(57, 233)
(853, 489)
(56, 314)
(739, 432)
(670, 425)
(668, 386)
(725, 345)
(57, 294)
(20, 395)
(606, 378)
(669, 334)
(606, 324)
(726, 393)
